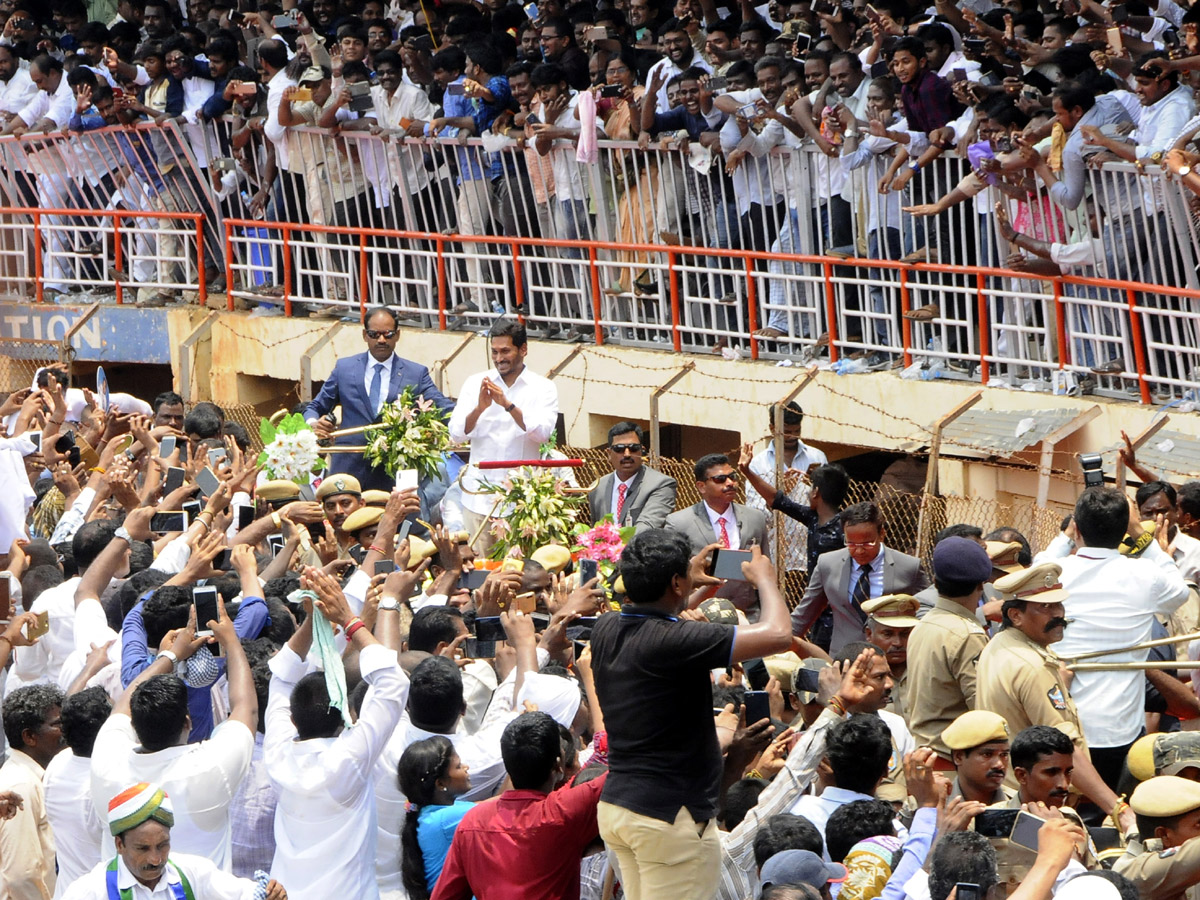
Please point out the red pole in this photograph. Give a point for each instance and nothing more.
(120, 288)
(984, 332)
(673, 280)
(752, 300)
(595, 273)
(1139, 350)
(831, 311)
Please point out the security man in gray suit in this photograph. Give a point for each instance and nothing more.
(717, 520)
(845, 579)
(633, 494)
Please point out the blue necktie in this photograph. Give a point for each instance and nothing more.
(376, 387)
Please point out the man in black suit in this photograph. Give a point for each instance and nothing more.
(717, 520)
(361, 384)
(633, 494)
(845, 579)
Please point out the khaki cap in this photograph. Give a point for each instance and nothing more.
(376, 498)
(553, 557)
(1037, 584)
(897, 610)
(419, 549)
(339, 484)
(719, 611)
(277, 490)
(1004, 555)
(974, 729)
(1165, 796)
(1163, 754)
(363, 517)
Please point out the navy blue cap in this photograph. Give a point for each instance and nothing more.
(961, 559)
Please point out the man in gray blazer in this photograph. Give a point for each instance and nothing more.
(716, 519)
(845, 579)
(633, 494)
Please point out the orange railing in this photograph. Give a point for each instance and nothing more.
(591, 252)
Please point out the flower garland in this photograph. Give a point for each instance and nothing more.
(535, 512)
(290, 450)
(414, 436)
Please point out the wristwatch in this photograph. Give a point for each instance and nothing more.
(510, 407)
(1157, 157)
(389, 604)
(123, 534)
(170, 655)
(852, 134)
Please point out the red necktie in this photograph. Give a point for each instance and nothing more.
(622, 490)
(724, 533)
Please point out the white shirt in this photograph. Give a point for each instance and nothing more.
(496, 435)
(670, 70)
(41, 663)
(730, 525)
(207, 881)
(568, 174)
(201, 780)
(17, 92)
(795, 534)
(275, 132)
(818, 809)
(1185, 550)
(1113, 601)
(325, 843)
(385, 378)
(406, 161)
(78, 828)
(56, 107)
(196, 91)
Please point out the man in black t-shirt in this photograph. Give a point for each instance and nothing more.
(653, 681)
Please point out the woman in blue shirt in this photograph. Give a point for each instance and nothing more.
(431, 777)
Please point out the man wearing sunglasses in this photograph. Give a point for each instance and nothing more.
(361, 385)
(634, 494)
(718, 520)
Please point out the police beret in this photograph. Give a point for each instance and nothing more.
(975, 728)
(961, 559)
(1004, 555)
(1037, 584)
(1163, 754)
(339, 484)
(719, 611)
(363, 517)
(897, 610)
(419, 549)
(277, 490)
(553, 557)
(1165, 796)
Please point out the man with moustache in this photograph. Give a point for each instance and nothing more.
(1042, 760)
(978, 744)
(1020, 678)
(890, 620)
(718, 520)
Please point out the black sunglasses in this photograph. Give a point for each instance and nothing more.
(721, 479)
(376, 335)
(626, 448)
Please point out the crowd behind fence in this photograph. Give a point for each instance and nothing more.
(656, 247)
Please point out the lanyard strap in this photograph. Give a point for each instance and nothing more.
(182, 890)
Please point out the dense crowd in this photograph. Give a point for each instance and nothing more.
(222, 685)
(787, 127)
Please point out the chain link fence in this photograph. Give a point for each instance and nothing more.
(20, 358)
(913, 519)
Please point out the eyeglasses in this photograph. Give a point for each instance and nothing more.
(376, 335)
(721, 479)
(626, 448)
(863, 544)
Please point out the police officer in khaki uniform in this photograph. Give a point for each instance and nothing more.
(890, 620)
(1022, 679)
(1043, 760)
(1177, 753)
(1165, 863)
(978, 743)
(944, 647)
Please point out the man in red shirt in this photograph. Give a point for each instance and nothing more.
(525, 844)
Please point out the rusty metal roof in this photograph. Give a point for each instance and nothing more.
(1173, 453)
(1006, 432)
